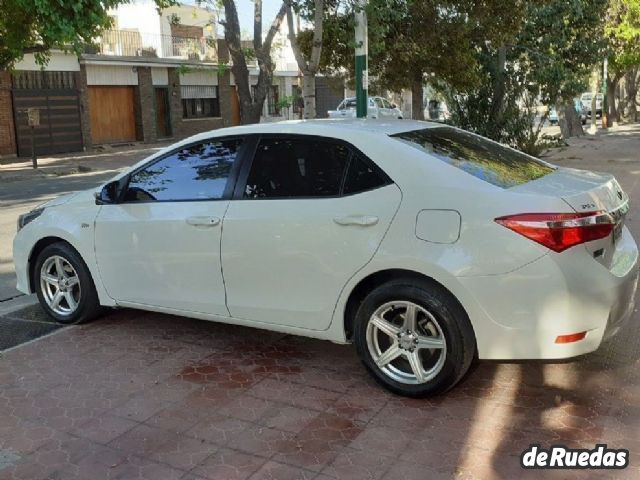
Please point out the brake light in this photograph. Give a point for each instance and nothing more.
(560, 231)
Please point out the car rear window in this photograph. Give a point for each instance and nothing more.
(480, 157)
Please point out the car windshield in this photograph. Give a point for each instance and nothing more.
(484, 159)
(348, 103)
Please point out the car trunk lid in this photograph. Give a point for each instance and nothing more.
(586, 191)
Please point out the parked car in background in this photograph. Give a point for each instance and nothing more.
(553, 113)
(424, 245)
(586, 99)
(379, 107)
(436, 110)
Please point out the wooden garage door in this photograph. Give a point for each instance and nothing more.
(112, 114)
(55, 95)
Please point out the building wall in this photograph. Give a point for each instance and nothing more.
(7, 129)
(186, 31)
(59, 62)
(189, 15)
(112, 75)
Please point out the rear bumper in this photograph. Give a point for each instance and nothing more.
(520, 314)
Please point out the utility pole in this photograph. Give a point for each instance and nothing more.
(362, 72)
(605, 103)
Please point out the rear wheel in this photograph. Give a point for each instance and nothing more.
(64, 285)
(414, 338)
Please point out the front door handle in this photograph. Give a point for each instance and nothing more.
(203, 221)
(359, 220)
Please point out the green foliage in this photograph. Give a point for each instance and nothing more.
(37, 26)
(174, 19)
(557, 46)
(622, 32)
(249, 54)
(548, 60)
(285, 102)
(411, 39)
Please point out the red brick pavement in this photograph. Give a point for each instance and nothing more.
(138, 395)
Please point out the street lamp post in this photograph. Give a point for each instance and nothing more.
(362, 48)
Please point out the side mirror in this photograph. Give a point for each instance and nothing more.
(109, 194)
(393, 105)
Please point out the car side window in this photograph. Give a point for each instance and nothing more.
(303, 168)
(363, 175)
(386, 103)
(195, 172)
(378, 103)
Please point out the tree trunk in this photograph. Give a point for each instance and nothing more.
(309, 94)
(250, 105)
(417, 95)
(612, 85)
(308, 68)
(499, 89)
(631, 84)
(569, 121)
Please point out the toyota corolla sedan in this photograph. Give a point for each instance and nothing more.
(423, 245)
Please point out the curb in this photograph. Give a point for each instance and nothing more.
(17, 303)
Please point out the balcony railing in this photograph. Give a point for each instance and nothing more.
(130, 43)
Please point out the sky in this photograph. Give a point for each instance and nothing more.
(245, 14)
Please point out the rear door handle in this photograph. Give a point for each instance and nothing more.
(359, 220)
(203, 221)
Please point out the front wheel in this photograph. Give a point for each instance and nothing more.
(414, 338)
(64, 285)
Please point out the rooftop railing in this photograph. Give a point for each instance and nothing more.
(131, 43)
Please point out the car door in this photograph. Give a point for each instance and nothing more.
(307, 214)
(160, 246)
(390, 110)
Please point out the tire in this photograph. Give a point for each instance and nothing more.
(440, 321)
(81, 291)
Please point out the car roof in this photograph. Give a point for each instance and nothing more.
(329, 127)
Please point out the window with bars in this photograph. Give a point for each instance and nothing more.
(38, 79)
(200, 101)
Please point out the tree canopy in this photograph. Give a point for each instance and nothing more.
(38, 26)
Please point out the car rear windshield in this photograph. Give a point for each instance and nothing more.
(482, 158)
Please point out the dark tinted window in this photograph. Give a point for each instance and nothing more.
(285, 168)
(362, 176)
(482, 158)
(198, 172)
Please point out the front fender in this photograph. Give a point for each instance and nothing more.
(74, 224)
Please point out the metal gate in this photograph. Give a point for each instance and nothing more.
(55, 94)
(329, 94)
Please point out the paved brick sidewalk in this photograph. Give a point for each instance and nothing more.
(98, 160)
(143, 395)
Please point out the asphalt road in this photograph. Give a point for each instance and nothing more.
(20, 193)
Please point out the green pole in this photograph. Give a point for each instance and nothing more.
(362, 73)
(605, 104)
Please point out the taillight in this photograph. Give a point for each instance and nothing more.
(559, 231)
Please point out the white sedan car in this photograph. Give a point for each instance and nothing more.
(424, 245)
(379, 108)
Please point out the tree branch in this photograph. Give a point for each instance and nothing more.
(275, 26)
(257, 25)
(302, 63)
(317, 36)
(36, 49)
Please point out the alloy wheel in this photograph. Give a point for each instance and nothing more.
(60, 285)
(406, 342)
